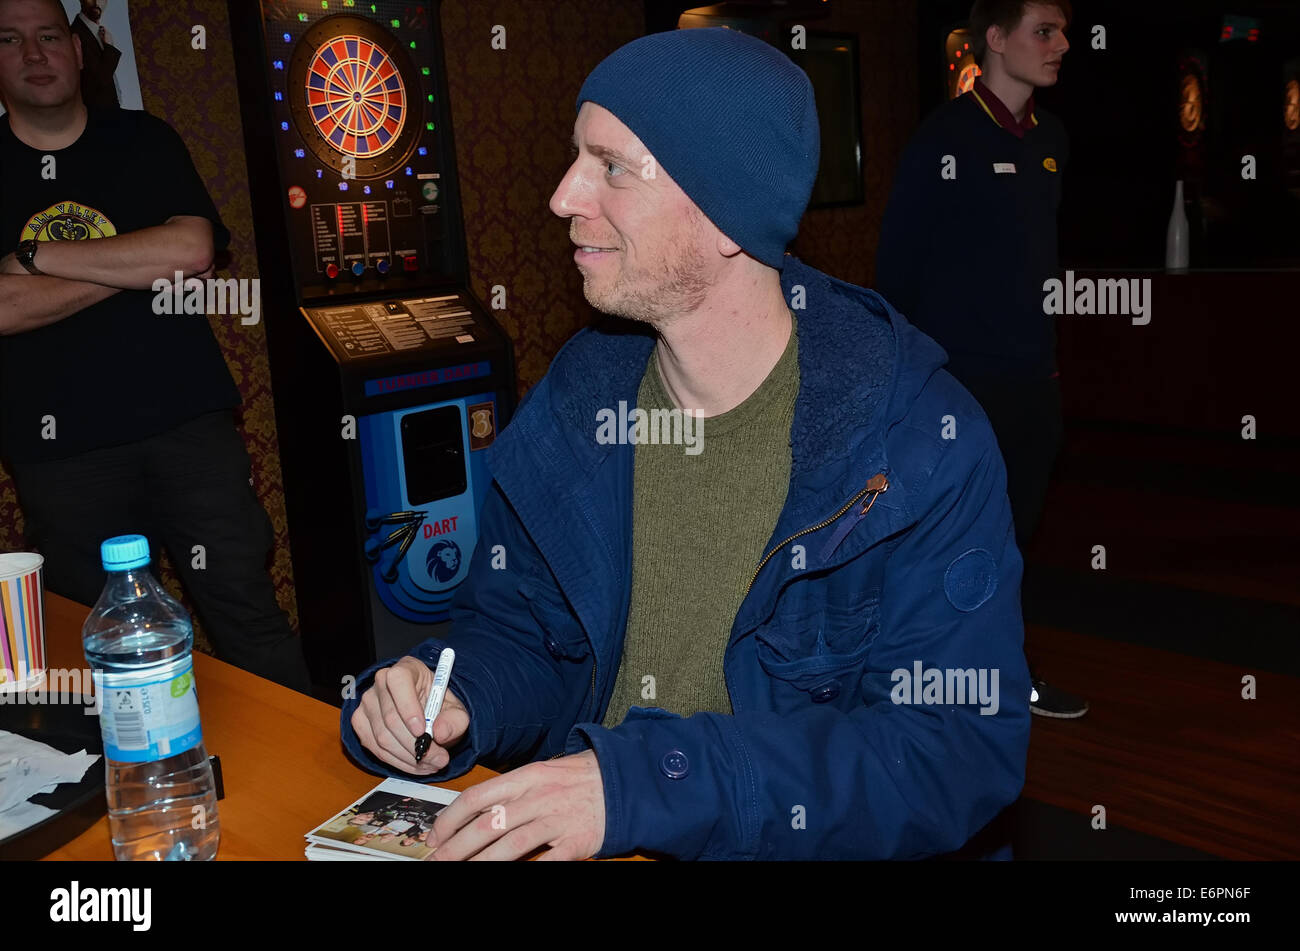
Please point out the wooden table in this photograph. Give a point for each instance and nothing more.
(283, 765)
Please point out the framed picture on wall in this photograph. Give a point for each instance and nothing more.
(831, 62)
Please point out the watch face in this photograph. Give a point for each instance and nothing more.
(26, 255)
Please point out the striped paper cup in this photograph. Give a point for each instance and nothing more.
(22, 621)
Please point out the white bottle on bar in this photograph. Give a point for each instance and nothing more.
(1178, 237)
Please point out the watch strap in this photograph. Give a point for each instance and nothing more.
(27, 255)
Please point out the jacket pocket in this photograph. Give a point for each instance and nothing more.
(822, 653)
(562, 634)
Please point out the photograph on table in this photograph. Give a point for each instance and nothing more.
(391, 820)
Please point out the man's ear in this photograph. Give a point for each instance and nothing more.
(76, 45)
(995, 40)
(726, 247)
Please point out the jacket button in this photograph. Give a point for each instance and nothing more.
(826, 691)
(553, 646)
(674, 765)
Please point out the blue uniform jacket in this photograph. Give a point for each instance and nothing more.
(829, 752)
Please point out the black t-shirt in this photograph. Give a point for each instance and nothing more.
(115, 372)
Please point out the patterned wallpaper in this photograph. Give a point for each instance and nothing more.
(512, 113)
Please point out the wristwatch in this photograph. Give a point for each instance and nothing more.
(26, 255)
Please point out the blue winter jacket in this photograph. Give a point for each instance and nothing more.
(830, 752)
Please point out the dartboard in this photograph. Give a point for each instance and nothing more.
(357, 97)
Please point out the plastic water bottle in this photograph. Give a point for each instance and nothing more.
(162, 800)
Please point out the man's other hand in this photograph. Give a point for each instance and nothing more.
(558, 803)
(391, 716)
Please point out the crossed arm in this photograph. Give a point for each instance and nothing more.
(78, 274)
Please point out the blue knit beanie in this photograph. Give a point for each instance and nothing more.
(730, 118)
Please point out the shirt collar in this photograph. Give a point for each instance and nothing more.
(1000, 114)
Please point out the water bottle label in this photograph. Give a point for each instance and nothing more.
(151, 714)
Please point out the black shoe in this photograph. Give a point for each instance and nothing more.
(1048, 701)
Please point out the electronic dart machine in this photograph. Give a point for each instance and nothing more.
(389, 377)
(962, 70)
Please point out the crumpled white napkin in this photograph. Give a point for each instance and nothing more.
(27, 768)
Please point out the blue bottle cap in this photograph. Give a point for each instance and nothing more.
(124, 552)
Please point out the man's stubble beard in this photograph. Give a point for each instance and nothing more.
(659, 296)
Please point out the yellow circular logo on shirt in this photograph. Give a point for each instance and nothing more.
(67, 221)
(1049, 163)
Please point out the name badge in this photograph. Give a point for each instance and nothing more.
(1004, 168)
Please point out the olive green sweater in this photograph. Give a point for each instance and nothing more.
(700, 524)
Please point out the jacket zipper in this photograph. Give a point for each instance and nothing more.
(875, 485)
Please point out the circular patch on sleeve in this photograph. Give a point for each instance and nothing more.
(971, 579)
